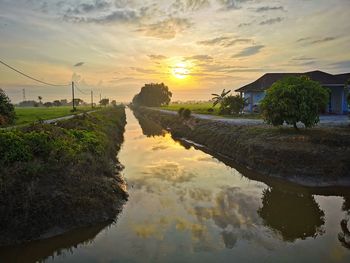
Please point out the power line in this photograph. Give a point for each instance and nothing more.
(80, 90)
(32, 78)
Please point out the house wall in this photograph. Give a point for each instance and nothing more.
(253, 99)
(338, 103)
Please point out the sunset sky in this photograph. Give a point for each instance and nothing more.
(196, 47)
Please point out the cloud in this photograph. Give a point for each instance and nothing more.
(231, 4)
(269, 8)
(214, 41)
(120, 15)
(203, 58)
(313, 41)
(225, 41)
(323, 40)
(271, 21)
(166, 29)
(79, 64)
(83, 8)
(157, 57)
(190, 5)
(249, 51)
(345, 64)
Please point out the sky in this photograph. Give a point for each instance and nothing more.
(196, 47)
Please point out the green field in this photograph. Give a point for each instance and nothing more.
(30, 115)
(200, 107)
(203, 107)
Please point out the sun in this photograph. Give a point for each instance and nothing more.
(180, 70)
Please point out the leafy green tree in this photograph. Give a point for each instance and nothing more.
(104, 102)
(153, 95)
(218, 98)
(232, 105)
(7, 110)
(293, 100)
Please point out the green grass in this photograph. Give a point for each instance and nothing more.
(30, 115)
(203, 107)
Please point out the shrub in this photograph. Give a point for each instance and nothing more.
(7, 110)
(186, 113)
(232, 105)
(180, 111)
(210, 110)
(293, 100)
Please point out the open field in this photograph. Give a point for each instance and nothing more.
(30, 115)
(203, 107)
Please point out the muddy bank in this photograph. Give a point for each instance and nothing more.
(54, 178)
(315, 157)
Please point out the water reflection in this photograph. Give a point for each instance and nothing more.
(187, 206)
(293, 215)
(149, 127)
(39, 251)
(344, 235)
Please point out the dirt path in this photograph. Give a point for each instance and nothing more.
(325, 120)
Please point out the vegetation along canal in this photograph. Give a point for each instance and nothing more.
(187, 206)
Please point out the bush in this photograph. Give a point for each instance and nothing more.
(293, 100)
(180, 111)
(232, 105)
(7, 110)
(210, 110)
(186, 114)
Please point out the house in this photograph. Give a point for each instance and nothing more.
(255, 91)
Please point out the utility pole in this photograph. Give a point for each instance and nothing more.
(92, 99)
(24, 94)
(73, 99)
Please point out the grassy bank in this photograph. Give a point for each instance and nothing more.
(57, 177)
(206, 108)
(317, 157)
(30, 115)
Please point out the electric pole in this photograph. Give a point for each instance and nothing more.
(24, 94)
(73, 99)
(92, 99)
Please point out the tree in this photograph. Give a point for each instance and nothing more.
(114, 103)
(7, 110)
(232, 105)
(57, 103)
(153, 95)
(219, 98)
(104, 102)
(40, 98)
(293, 100)
(48, 104)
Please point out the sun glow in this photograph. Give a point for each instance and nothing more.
(180, 70)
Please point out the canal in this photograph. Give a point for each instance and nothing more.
(187, 206)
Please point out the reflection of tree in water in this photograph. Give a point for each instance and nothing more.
(149, 127)
(344, 235)
(39, 251)
(294, 216)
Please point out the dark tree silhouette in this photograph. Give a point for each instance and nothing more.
(293, 215)
(7, 110)
(153, 95)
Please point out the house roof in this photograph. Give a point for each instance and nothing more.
(268, 79)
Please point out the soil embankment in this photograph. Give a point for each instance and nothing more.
(54, 178)
(313, 157)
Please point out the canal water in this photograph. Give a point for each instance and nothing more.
(187, 206)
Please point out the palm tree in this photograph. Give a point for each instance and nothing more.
(219, 98)
(40, 98)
